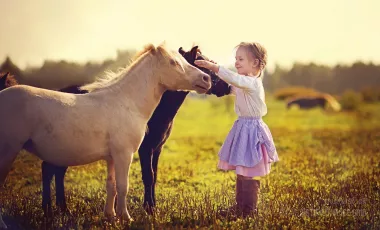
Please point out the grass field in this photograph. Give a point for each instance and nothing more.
(327, 177)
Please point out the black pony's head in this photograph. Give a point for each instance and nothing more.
(218, 86)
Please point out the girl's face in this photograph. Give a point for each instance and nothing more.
(245, 64)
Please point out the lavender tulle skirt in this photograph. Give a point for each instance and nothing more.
(249, 148)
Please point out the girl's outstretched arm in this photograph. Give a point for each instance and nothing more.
(237, 80)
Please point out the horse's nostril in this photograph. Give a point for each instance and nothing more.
(206, 78)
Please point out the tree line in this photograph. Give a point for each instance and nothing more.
(334, 80)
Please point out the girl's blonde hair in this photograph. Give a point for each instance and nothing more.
(258, 51)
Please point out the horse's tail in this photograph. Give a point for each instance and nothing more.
(8, 156)
(335, 105)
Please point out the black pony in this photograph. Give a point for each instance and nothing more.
(161, 123)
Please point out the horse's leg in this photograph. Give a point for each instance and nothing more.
(2, 224)
(156, 156)
(8, 154)
(323, 104)
(60, 188)
(47, 176)
(109, 210)
(145, 153)
(122, 163)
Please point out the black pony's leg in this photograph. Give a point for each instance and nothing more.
(60, 187)
(145, 153)
(47, 176)
(324, 104)
(156, 156)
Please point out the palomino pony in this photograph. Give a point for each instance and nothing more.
(160, 124)
(106, 124)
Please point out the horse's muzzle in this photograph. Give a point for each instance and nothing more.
(203, 84)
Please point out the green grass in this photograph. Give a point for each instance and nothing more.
(327, 177)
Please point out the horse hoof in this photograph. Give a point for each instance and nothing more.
(124, 216)
(2, 225)
(64, 209)
(110, 216)
(149, 209)
(126, 220)
(48, 212)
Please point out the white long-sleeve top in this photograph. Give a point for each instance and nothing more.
(249, 92)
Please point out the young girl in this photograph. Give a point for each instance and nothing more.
(249, 148)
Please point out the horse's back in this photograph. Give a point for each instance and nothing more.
(75, 89)
(27, 104)
(15, 96)
(14, 122)
(307, 102)
(53, 122)
(24, 91)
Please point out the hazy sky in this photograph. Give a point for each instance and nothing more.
(323, 31)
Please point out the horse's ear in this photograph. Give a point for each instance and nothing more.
(194, 51)
(181, 51)
(4, 77)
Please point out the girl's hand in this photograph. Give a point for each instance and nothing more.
(208, 65)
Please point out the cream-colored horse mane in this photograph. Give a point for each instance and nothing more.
(110, 77)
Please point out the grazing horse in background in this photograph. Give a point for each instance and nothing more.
(309, 102)
(106, 124)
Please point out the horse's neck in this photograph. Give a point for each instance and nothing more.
(140, 88)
